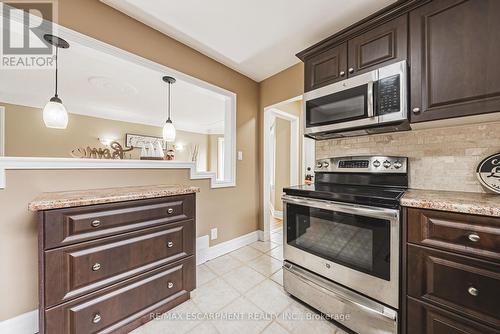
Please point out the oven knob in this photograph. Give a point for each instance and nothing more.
(326, 164)
(398, 164)
(319, 164)
(387, 164)
(376, 164)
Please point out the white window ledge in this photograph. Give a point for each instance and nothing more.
(23, 163)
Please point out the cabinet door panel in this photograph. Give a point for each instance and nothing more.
(326, 68)
(380, 46)
(455, 48)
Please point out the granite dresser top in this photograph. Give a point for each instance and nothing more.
(462, 202)
(67, 199)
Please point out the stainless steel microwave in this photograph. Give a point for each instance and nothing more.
(372, 102)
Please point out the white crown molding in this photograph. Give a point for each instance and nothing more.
(24, 163)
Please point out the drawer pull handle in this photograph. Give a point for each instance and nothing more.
(96, 267)
(473, 291)
(96, 223)
(170, 285)
(474, 237)
(170, 211)
(170, 244)
(96, 318)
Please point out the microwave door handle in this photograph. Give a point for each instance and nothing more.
(369, 98)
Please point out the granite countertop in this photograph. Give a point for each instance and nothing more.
(462, 202)
(66, 199)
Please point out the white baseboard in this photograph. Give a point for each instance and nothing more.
(209, 253)
(261, 235)
(26, 323)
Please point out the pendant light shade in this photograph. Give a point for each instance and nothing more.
(54, 113)
(169, 132)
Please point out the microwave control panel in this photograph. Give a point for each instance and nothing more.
(389, 99)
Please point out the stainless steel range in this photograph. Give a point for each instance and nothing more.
(342, 240)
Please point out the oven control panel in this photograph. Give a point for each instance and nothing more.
(363, 164)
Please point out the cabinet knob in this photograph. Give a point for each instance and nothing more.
(96, 267)
(96, 223)
(170, 244)
(351, 70)
(474, 237)
(473, 291)
(170, 285)
(170, 211)
(97, 317)
(416, 110)
(342, 73)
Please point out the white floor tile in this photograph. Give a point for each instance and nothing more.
(277, 238)
(275, 328)
(243, 278)
(246, 253)
(263, 246)
(203, 328)
(203, 275)
(269, 296)
(265, 265)
(175, 321)
(214, 295)
(277, 253)
(278, 277)
(244, 325)
(223, 264)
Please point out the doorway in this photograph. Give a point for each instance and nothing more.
(284, 157)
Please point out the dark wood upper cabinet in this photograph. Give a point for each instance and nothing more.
(326, 67)
(455, 50)
(379, 46)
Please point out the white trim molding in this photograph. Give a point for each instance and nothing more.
(23, 163)
(62, 163)
(26, 323)
(205, 253)
(2, 131)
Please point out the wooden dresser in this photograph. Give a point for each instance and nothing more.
(451, 272)
(110, 267)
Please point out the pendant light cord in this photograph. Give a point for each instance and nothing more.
(169, 84)
(57, 51)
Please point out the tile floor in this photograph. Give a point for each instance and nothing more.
(246, 285)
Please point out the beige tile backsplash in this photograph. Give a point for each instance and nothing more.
(440, 158)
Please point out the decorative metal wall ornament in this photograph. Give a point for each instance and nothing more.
(116, 152)
(140, 141)
(488, 173)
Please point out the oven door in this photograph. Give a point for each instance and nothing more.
(341, 105)
(355, 246)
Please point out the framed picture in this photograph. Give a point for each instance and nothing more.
(139, 141)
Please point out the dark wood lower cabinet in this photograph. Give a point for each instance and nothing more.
(452, 273)
(116, 282)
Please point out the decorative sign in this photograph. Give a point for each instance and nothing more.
(116, 152)
(488, 172)
(141, 141)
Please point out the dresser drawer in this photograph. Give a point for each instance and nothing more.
(73, 225)
(79, 269)
(124, 306)
(461, 284)
(426, 319)
(468, 234)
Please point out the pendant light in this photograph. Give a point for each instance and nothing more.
(54, 114)
(169, 128)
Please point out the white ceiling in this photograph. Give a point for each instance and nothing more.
(98, 84)
(257, 38)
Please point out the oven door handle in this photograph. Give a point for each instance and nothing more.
(359, 210)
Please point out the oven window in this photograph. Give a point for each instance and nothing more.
(338, 107)
(358, 242)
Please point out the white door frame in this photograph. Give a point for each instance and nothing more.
(270, 113)
(2, 131)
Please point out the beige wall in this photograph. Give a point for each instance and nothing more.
(25, 136)
(440, 158)
(282, 172)
(219, 208)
